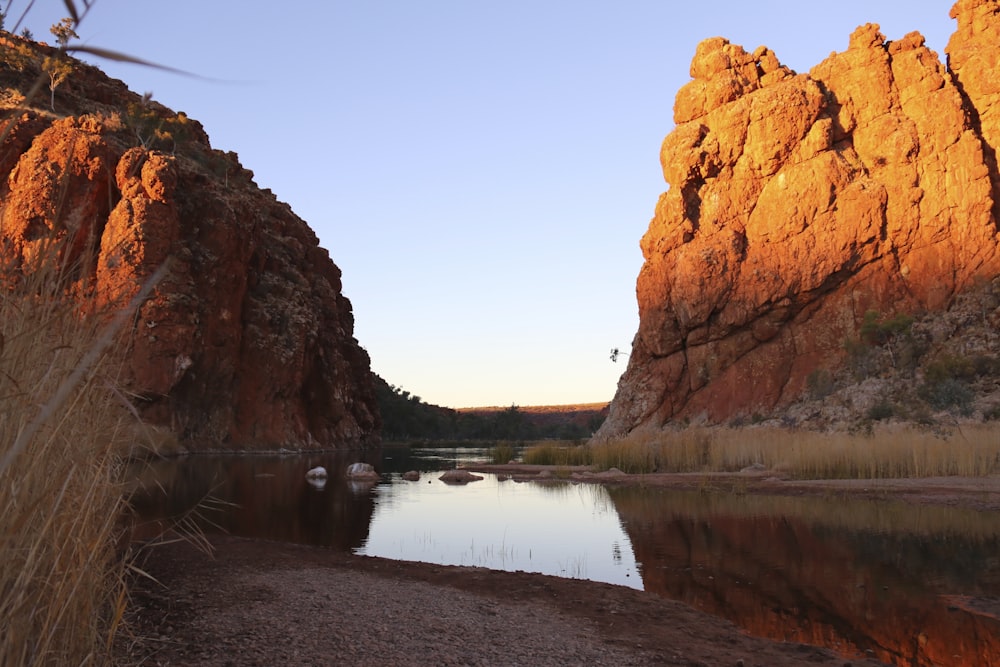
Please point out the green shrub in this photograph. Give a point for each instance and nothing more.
(881, 411)
(948, 393)
(986, 365)
(949, 367)
(819, 383)
(860, 359)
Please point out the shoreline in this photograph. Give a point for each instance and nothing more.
(260, 602)
(978, 493)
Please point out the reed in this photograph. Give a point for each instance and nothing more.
(65, 430)
(890, 451)
(63, 433)
(502, 452)
(557, 453)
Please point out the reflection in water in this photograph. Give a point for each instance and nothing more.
(911, 585)
(256, 496)
(561, 529)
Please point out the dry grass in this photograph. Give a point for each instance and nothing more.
(63, 431)
(890, 451)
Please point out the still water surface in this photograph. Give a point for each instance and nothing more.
(907, 585)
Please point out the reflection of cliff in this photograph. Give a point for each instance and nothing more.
(269, 498)
(794, 578)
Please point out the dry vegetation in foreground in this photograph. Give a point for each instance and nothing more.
(62, 436)
(889, 451)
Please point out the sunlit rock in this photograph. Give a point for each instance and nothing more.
(248, 341)
(797, 203)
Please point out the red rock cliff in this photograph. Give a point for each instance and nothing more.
(247, 343)
(797, 202)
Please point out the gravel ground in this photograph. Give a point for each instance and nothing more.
(265, 603)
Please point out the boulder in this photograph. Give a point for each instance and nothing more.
(319, 472)
(362, 471)
(459, 477)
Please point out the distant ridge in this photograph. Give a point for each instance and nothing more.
(540, 409)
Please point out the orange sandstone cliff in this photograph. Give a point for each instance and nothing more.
(797, 202)
(247, 343)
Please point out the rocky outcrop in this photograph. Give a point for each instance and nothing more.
(798, 202)
(247, 343)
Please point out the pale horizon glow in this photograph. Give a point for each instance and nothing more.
(481, 172)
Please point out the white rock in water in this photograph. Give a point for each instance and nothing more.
(361, 471)
(319, 472)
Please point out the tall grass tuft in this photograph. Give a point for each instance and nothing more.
(502, 452)
(64, 433)
(63, 437)
(557, 453)
(889, 452)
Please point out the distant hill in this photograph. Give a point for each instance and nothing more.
(406, 417)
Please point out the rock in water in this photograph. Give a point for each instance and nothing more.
(459, 477)
(362, 471)
(798, 202)
(248, 342)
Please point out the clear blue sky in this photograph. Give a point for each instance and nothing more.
(482, 172)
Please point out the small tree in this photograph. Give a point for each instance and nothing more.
(64, 31)
(889, 333)
(58, 68)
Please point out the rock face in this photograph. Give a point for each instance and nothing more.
(247, 343)
(798, 202)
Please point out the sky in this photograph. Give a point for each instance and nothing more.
(481, 172)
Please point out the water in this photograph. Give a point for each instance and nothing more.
(559, 529)
(908, 585)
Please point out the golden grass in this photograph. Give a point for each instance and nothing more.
(64, 431)
(890, 451)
